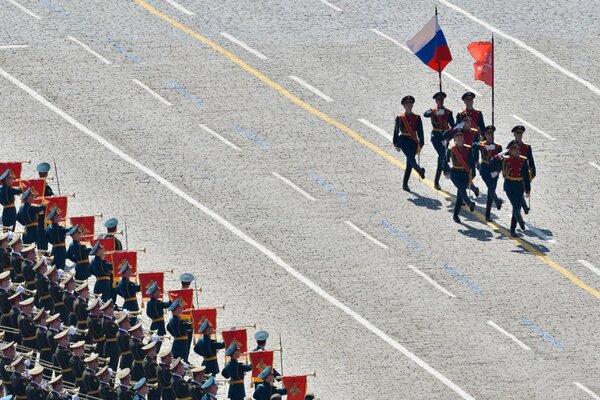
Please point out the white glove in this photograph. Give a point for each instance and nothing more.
(75, 397)
(185, 366)
(27, 363)
(9, 282)
(504, 152)
(154, 337)
(20, 289)
(110, 371)
(126, 312)
(62, 326)
(457, 126)
(439, 112)
(494, 174)
(444, 143)
(72, 330)
(11, 235)
(490, 147)
(60, 273)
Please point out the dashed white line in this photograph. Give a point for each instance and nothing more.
(377, 129)
(244, 46)
(521, 120)
(13, 46)
(509, 335)
(431, 281)
(593, 164)
(295, 187)
(539, 233)
(243, 236)
(336, 8)
(402, 46)
(89, 50)
(180, 7)
(221, 138)
(365, 234)
(25, 10)
(312, 88)
(521, 44)
(589, 266)
(588, 391)
(152, 92)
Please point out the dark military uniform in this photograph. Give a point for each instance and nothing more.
(91, 383)
(51, 341)
(5, 305)
(5, 264)
(135, 345)
(81, 313)
(14, 314)
(28, 217)
(265, 390)
(461, 175)
(28, 332)
(179, 329)
(19, 385)
(28, 274)
(234, 371)
(126, 355)
(408, 137)
(62, 359)
(207, 348)
(42, 294)
(56, 236)
(476, 121)
(70, 318)
(526, 151)
(111, 347)
(96, 331)
(196, 390)
(56, 294)
(16, 260)
(164, 375)
(5, 374)
(79, 253)
(128, 290)
(78, 367)
(107, 392)
(7, 199)
(150, 371)
(180, 387)
(441, 121)
(54, 395)
(102, 270)
(155, 310)
(45, 350)
(124, 392)
(35, 392)
(42, 242)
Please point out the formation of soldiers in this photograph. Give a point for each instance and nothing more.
(473, 149)
(64, 336)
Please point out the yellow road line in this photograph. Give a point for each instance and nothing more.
(354, 135)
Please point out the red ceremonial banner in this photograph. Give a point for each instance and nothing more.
(118, 259)
(260, 360)
(483, 53)
(146, 279)
(108, 244)
(238, 336)
(201, 314)
(186, 299)
(296, 386)
(86, 225)
(37, 186)
(15, 170)
(60, 202)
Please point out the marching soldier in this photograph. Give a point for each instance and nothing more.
(408, 137)
(107, 392)
(124, 390)
(26, 326)
(79, 254)
(91, 383)
(461, 173)
(5, 303)
(5, 264)
(210, 389)
(42, 339)
(179, 329)
(94, 324)
(441, 121)
(103, 271)
(110, 328)
(43, 169)
(27, 265)
(56, 293)
(42, 286)
(515, 170)
(7, 199)
(186, 280)
(476, 116)
(56, 235)
(141, 390)
(77, 364)
(62, 356)
(80, 309)
(208, 347)
(490, 149)
(53, 324)
(234, 371)
(150, 369)
(8, 356)
(16, 258)
(28, 216)
(56, 383)
(155, 309)
(180, 386)
(136, 347)
(163, 373)
(13, 316)
(69, 297)
(18, 380)
(196, 383)
(111, 231)
(128, 291)
(34, 390)
(265, 389)
(123, 339)
(526, 151)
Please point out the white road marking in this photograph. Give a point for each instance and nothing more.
(376, 129)
(588, 391)
(593, 164)
(221, 138)
(295, 187)
(244, 46)
(521, 44)
(13, 46)
(336, 8)
(539, 233)
(152, 92)
(402, 46)
(180, 7)
(430, 280)
(590, 266)
(243, 236)
(532, 127)
(89, 50)
(312, 88)
(25, 10)
(365, 234)
(509, 335)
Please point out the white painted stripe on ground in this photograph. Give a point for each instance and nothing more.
(295, 187)
(509, 335)
(588, 391)
(89, 50)
(244, 46)
(525, 46)
(179, 7)
(590, 266)
(593, 164)
(365, 234)
(377, 129)
(13, 46)
(532, 127)
(25, 10)
(430, 280)
(221, 138)
(152, 92)
(243, 236)
(404, 47)
(312, 88)
(539, 233)
(336, 8)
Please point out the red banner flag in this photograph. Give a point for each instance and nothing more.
(201, 314)
(260, 360)
(15, 170)
(108, 244)
(59, 202)
(37, 185)
(186, 299)
(146, 279)
(483, 53)
(238, 336)
(86, 225)
(118, 259)
(296, 386)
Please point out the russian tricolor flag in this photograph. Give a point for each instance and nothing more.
(429, 44)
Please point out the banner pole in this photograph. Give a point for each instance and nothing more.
(493, 78)
(439, 68)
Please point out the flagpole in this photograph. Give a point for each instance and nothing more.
(439, 68)
(493, 78)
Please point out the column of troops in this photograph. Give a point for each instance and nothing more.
(64, 339)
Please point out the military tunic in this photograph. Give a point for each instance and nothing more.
(207, 348)
(62, 359)
(28, 332)
(19, 385)
(179, 329)
(441, 121)
(79, 253)
(96, 332)
(234, 371)
(28, 217)
(461, 174)
(164, 375)
(35, 392)
(56, 236)
(91, 383)
(409, 137)
(111, 347)
(123, 338)
(7, 200)
(135, 345)
(103, 271)
(265, 390)
(150, 372)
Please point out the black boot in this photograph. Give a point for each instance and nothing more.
(488, 210)
(475, 190)
(406, 178)
(436, 182)
(499, 203)
(406, 188)
(457, 210)
(522, 224)
(513, 226)
(525, 208)
(472, 206)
